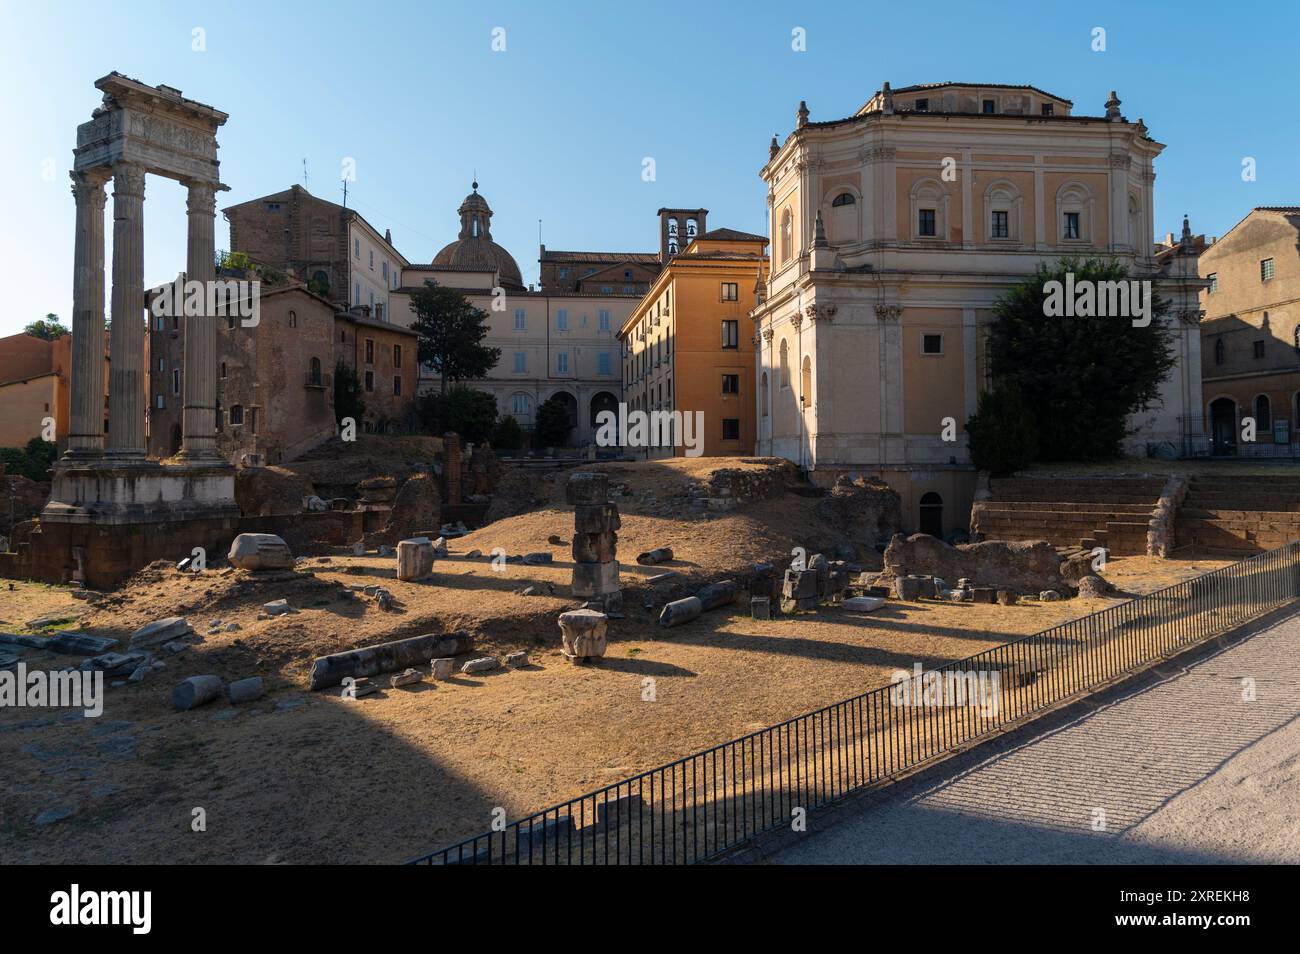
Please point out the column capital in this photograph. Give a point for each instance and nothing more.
(889, 312)
(128, 179)
(201, 198)
(89, 187)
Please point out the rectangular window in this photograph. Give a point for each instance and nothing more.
(990, 106)
(604, 320)
(931, 344)
(731, 428)
(162, 364)
(731, 384)
(562, 362)
(370, 351)
(521, 362)
(383, 270)
(1071, 225)
(562, 320)
(356, 248)
(1259, 349)
(564, 273)
(160, 402)
(521, 320)
(602, 362)
(176, 380)
(730, 334)
(356, 293)
(922, 105)
(370, 381)
(397, 356)
(925, 222)
(397, 384)
(1000, 225)
(1214, 282)
(730, 291)
(1048, 109)
(1265, 269)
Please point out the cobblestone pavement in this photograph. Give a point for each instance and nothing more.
(1186, 770)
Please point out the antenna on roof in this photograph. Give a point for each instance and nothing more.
(304, 172)
(345, 193)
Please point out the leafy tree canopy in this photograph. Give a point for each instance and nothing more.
(451, 331)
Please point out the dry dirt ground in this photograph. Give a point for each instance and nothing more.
(303, 777)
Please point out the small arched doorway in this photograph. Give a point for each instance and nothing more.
(602, 401)
(1223, 427)
(932, 514)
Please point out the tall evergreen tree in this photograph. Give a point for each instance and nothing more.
(451, 331)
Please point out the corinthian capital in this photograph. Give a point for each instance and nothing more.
(821, 312)
(201, 198)
(889, 312)
(768, 335)
(88, 187)
(128, 179)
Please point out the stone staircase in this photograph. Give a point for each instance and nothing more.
(1243, 514)
(1070, 512)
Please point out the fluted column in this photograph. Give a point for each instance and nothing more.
(126, 359)
(198, 423)
(86, 389)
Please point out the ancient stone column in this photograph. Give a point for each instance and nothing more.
(126, 346)
(199, 418)
(595, 540)
(86, 417)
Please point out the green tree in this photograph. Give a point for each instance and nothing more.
(450, 330)
(347, 393)
(553, 425)
(1002, 435)
(470, 413)
(508, 435)
(1079, 378)
(48, 328)
(33, 461)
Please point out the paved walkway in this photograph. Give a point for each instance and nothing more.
(1184, 771)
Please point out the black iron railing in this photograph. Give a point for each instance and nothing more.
(699, 806)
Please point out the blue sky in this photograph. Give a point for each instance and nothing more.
(557, 125)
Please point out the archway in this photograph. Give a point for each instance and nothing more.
(570, 405)
(1223, 427)
(602, 401)
(932, 514)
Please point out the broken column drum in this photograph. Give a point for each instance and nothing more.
(595, 540)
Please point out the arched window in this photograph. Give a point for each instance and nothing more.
(293, 319)
(844, 198)
(786, 235)
(315, 369)
(843, 226)
(785, 364)
(1263, 414)
(762, 395)
(223, 369)
(236, 414)
(929, 203)
(805, 382)
(1002, 211)
(1219, 350)
(1074, 203)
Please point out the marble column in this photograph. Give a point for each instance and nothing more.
(86, 391)
(126, 395)
(198, 423)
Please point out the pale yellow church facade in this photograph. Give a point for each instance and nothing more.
(895, 230)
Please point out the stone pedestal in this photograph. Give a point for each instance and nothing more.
(117, 492)
(414, 559)
(582, 633)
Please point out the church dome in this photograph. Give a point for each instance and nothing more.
(474, 248)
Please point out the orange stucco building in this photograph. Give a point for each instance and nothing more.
(688, 346)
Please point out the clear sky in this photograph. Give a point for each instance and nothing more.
(556, 126)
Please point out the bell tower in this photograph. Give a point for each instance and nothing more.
(677, 229)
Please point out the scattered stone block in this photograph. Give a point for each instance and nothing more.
(55, 814)
(1007, 598)
(360, 686)
(863, 604)
(74, 643)
(655, 556)
(538, 558)
(583, 634)
(953, 596)
(760, 607)
(715, 595)
(908, 588)
(595, 579)
(555, 540)
(259, 551)
(407, 677)
(444, 668)
(195, 691)
(414, 559)
(277, 608)
(246, 690)
(984, 594)
(1095, 586)
(160, 631)
(1049, 596)
(587, 487)
(517, 659)
(662, 577)
(482, 664)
